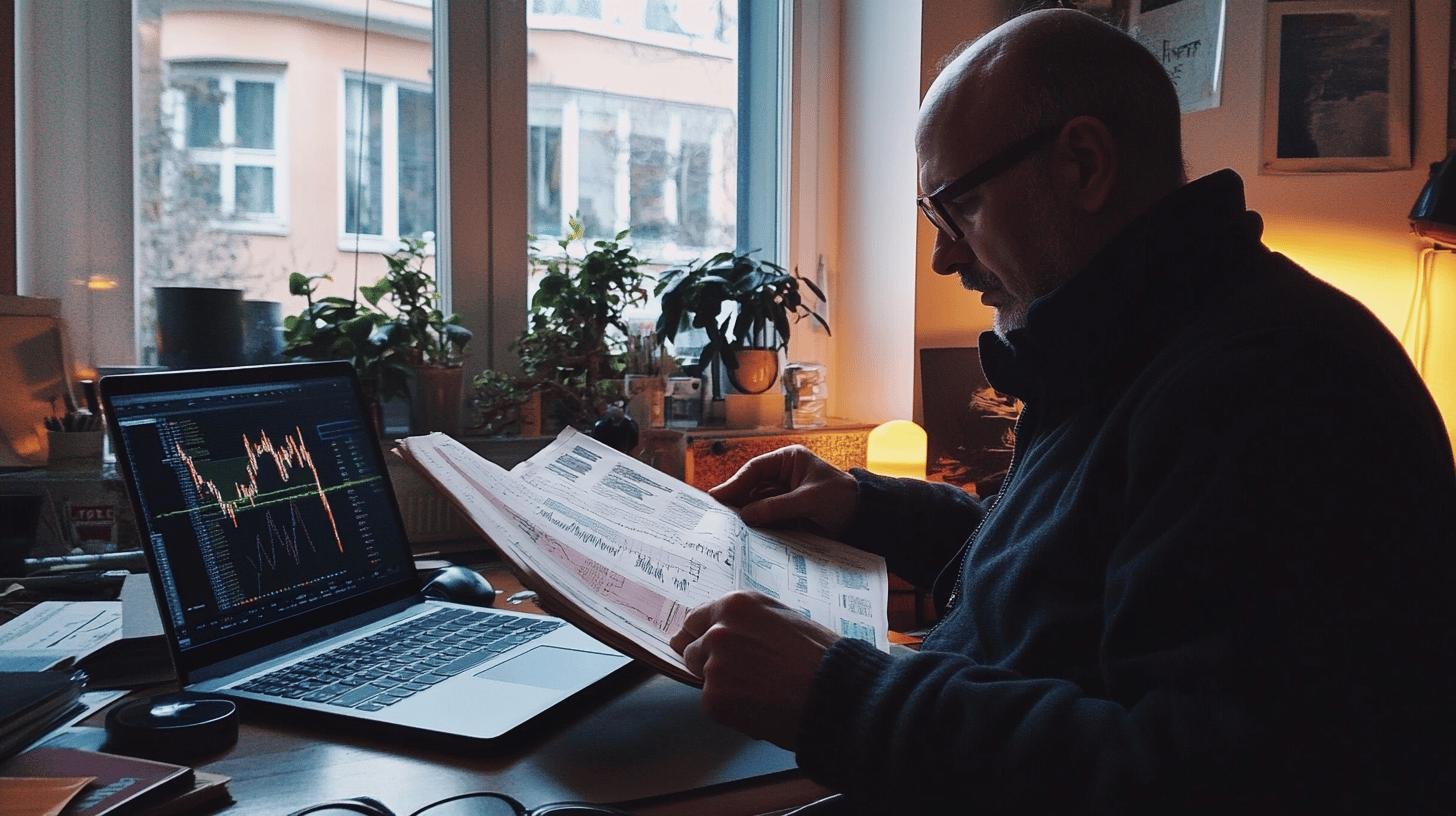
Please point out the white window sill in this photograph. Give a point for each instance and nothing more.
(377, 243)
(276, 228)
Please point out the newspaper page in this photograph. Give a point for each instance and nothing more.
(634, 550)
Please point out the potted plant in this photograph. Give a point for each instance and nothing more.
(748, 337)
(337, 328)
(431, 343)
(396, 335)
(572, 351)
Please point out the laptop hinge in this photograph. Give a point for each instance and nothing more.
(272, 651)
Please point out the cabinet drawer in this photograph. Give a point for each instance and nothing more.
(709, 460)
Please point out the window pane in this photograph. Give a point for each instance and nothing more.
(204, 106)
(597, 169)
(252, 161)
(206, 183)
(574, 8)
(693, 194)
(364, 159)
(254, 114)
(649, 188)
(416, 163)
(545, 180)
(662, 16)
(254, 190)
(633, 123)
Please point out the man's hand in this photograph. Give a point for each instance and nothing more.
(791, 484)
(757, 659)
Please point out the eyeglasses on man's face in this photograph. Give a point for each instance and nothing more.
(936, 205)
(480, 803)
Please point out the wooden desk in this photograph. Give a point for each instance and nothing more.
(280, 764)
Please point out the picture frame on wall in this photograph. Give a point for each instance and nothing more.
(1337, 86)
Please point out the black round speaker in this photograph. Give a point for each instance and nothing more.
(178, 727)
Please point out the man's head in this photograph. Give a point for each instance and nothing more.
(1047, 136)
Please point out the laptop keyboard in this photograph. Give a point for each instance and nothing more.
(396, 663)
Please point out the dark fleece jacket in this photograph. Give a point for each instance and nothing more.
(1219, 577)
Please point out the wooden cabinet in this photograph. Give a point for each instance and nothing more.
(704, 457)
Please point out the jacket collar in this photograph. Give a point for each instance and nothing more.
(1108, 320)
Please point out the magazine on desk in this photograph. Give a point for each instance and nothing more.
(625, 551)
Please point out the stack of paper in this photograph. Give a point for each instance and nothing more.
(31, 704)
(118, 643)
(625, 552)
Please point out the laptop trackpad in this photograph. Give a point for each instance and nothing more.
(552, 667)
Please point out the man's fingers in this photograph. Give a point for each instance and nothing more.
(694, 625)
(775, 510)
(742, 487)
(695, 656)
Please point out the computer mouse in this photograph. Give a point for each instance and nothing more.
(460, 585)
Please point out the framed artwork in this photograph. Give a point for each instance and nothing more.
(1337, 86)
(968, 424)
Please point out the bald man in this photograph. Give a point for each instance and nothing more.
(1219, 574)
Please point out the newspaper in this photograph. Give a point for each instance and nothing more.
(626, 552)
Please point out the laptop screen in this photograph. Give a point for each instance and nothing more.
(262, 502)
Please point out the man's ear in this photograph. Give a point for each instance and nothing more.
(1090, 156)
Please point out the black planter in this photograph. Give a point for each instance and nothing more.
(262, 331)
(198, 327)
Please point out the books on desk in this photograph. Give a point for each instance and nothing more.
(625, 551)
(120, 784)
(32, 703)
(118, 643)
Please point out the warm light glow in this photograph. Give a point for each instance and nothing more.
(897, 448)
(101, 283)
(1378, 269)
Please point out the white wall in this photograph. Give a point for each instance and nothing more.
(874, 299)
(945, 313)
(1348, 228)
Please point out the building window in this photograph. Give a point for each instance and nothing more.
(591, 9)
(389, 159)
(226, 123)
(630, 163)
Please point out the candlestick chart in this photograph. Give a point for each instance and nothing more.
(270, 508)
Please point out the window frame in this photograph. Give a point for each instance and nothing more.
(389, 239)
(228, 156)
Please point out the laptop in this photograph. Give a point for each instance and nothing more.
(279, 561)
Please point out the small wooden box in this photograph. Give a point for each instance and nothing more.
(704, 457)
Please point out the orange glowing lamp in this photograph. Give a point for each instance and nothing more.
(897, 448)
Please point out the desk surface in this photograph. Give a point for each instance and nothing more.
(278, 766)
(606, 746)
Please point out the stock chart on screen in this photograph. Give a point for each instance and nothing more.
(262, 502)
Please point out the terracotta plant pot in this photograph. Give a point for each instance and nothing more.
(757, 371)
(436, 399)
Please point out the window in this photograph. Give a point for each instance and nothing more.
(246, 125)
(570, 8)
(223, 195)
(226, 124)
(642, 133)
(389, 160)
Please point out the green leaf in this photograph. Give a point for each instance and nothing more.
(819, 293)
(298, 284)
(372, 294)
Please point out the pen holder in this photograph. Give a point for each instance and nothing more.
(75, 448)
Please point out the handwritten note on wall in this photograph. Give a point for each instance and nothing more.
(1187, 38)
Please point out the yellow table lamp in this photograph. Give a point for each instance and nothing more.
(897, 448)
